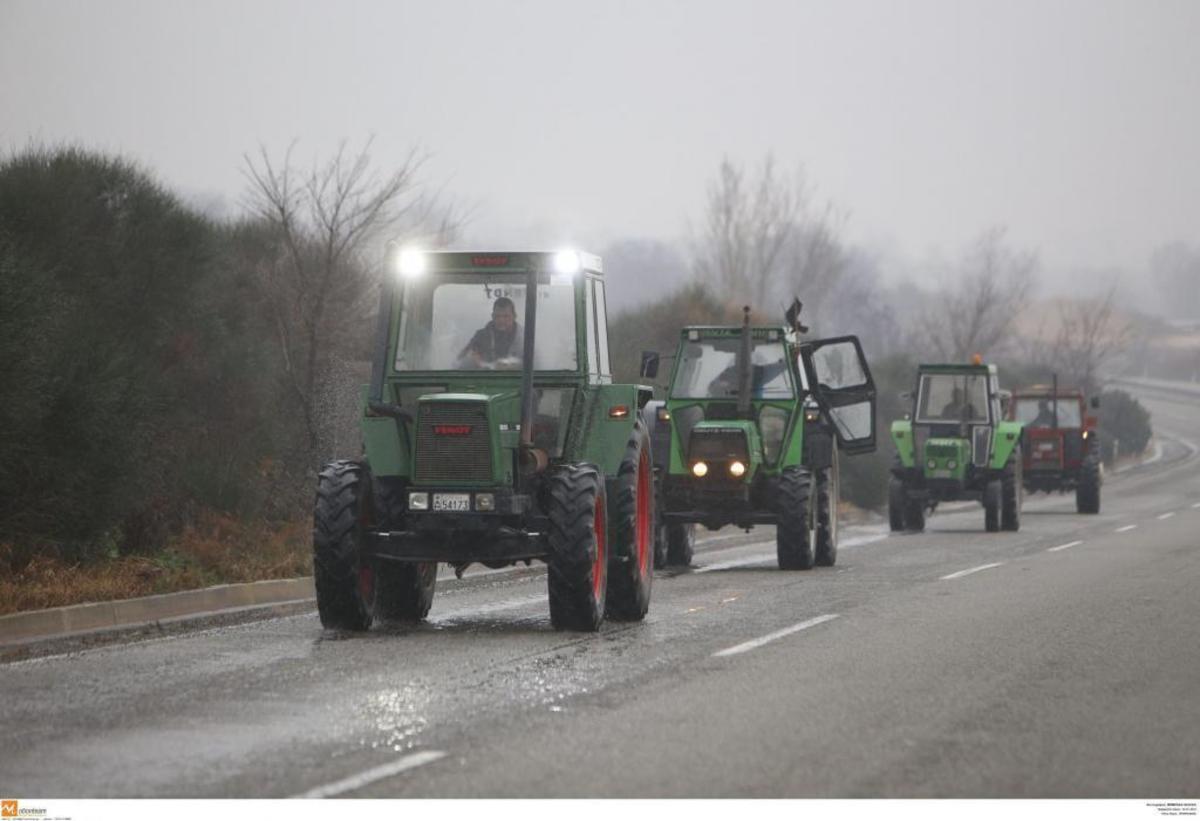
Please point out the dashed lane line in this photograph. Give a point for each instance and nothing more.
(1125, 529)
(1064, 546)
(1166, 515)
(962, 573)
(746, 646)
(357, 782)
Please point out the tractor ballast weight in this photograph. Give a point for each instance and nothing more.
(750, 433)
(1060, 447)
(498, 444)
(956, 444)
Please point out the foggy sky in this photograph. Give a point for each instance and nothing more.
(1076, 124)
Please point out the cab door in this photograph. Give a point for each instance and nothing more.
(840, 380)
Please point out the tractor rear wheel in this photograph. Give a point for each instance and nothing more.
(827, 515)
(993, 494)
(795, 531)
(1010, 503)
(895, 504)
(344, 576)
(403, 590)
(578, 562)
(681, 544)
(631, 571)
(1087, 492)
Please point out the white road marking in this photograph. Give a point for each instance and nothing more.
(1196, 505)
(1124, 529)
(962, 573)
(1064, 546)
(1166, 515)
(778, 634)
(357, 782)
(757, 558)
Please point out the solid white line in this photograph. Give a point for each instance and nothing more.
(778, 634)
(357, 782)
(858, 541)
(1166, 515)
(1124, 529)
(962, 573)
(1064, 546)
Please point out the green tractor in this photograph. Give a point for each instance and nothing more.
(754, 422)
(956, 444)
(492, 433)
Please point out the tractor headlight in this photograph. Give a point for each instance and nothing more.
(567, 262)
(700, 469)
(1085, 434)
(812, 415)
(931, 464)
(485, 502)
(737, 469)
(412, 263)
(952, 464)
(418, 501)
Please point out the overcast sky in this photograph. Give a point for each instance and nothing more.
(1076, 124)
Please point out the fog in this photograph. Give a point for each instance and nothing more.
(1072, 124)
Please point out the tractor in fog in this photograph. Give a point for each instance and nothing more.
(1060, 447)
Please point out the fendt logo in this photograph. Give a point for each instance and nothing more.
(452, 430)
(8, 809)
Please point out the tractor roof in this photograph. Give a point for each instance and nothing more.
(957, 367)
(694, 332)
(501, 262)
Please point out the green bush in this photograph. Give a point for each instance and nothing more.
(1124, 423)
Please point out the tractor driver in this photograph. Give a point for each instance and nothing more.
(957, 409)
(1045, 416)
(500, 340)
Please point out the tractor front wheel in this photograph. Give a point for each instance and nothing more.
(914, 515)
(343, 575)
(993, 494)
(403, 590)
(578, 562)
(795, 531)
(1087, 492)
(895, 504)
(827, 515)
(631, 571)
(1010, 503)
(681, 544)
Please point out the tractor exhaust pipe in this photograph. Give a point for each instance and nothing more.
(528, 465)
(745, 380)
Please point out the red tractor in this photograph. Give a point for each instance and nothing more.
(1061, 448)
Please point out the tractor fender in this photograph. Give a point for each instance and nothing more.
(903, 439)
(1006, 439)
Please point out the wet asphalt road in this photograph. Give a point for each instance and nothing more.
(1060, 661)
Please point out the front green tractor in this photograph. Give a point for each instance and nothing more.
(492, 433)
(956, 444)
(756, 420)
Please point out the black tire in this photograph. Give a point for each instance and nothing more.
(827, 515)
(895, 504)
(1087, 492)
(993, 495)
(661, 534)
(403, 590)
(1010, 495)
(914, 515)
(578, 561)
(795, 508)
(681, 544)
(631, 529)
(344, 577)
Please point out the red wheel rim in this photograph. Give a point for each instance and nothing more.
(598, 566)
(643, 513)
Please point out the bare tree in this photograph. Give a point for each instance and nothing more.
(327, 225)
(979, 305)
(1090, 333)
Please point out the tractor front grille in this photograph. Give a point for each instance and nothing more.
(453, 443)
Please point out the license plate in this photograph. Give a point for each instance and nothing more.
(941, 474)
(452, 501)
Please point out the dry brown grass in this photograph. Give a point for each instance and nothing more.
(218, 549)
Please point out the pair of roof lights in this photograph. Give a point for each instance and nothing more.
(413, 262)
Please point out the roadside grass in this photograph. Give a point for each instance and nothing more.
(217, 549)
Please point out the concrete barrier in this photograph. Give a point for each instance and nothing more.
(82, 618)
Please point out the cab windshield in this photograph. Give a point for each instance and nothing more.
(708, 370)
(949, 397)
(475, 322)
(1039, 412)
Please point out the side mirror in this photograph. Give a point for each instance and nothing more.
(1095, 402)
(649, 368)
